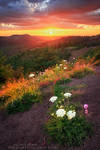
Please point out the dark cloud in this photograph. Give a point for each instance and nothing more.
(60, 13)
(76, 11)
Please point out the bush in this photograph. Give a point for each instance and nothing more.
(21, 105)
(63, 81)
(94, 53)
(81, 73)
(3, 100)
(67, 124)
(6, 70)
(38, 59)
(58, 89)
(71, 132)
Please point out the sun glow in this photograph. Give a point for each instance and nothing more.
(50, 32)
(53, 31)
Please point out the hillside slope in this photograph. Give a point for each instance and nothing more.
(22, 128)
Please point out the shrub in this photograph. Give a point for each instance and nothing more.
(38, 59)
(3, 100)
(71, 132)
(58, 89)
(81, 73)
(15, 89)
(6, 70)
(93, 54)
(67, 124)
(23, 104)
(63, 81)
(81, 68)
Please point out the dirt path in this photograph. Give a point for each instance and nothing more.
(92, 98)
(26, 129)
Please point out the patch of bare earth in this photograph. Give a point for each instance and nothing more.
(25, 130)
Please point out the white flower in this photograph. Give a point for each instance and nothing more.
(65, 68)
(31, 75)
(71, 114)
(67, 95)
(52, 114)
(60, 65)
(53, 99)
(64, 60)
(60, 112)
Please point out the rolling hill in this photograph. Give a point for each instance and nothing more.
(10, 45)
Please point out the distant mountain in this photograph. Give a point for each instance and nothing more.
(22, 40)
(12, 44)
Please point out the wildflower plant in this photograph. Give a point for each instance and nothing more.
(67, 95)
(67, 124)
(71, 132)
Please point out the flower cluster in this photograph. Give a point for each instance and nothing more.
(60, 112)
(71, 114)
(53, 99)
(86, 108)
(61, 65)
(67, 95)
(31, 75)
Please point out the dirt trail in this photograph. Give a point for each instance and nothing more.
(92, 98)
(26, 129)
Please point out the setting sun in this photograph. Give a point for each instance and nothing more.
(51, 32)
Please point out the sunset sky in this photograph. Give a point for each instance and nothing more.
(50, 17)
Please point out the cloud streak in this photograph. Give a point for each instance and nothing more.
(32, 14)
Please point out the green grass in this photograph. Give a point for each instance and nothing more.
(69, 132)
